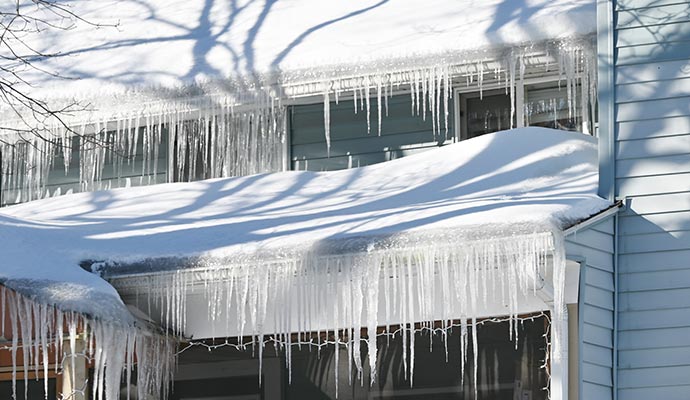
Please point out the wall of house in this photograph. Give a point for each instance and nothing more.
(651, 132)
(594, 248)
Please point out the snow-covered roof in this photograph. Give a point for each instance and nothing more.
(172, 43)
(520, 181)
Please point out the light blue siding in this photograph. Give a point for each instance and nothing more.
(652, 170)
(663, 14)
(596, 308)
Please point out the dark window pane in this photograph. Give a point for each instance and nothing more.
(505, 371)
(488, 114)
(36, 391)
(228, 388)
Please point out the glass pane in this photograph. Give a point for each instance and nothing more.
(506, 370)
(545, 105)
(548, 107)
(226, 388)
(490, 114)
(35, 389)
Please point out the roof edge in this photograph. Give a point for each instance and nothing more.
(594, 218)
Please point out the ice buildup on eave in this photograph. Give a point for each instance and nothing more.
(335, 252)
(49, 304)
(211, 79)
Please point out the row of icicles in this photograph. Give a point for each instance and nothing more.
(434, 285)
(301, 300)
(212, 137)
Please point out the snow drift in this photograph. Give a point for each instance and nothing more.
(302, 251)
(516, 178)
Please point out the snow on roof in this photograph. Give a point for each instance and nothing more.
(172, 43)
(526, 180)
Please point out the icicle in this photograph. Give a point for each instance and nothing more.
(327, 119)
(480, 80)
(225, 143)
(437, 101)
(387, 93)
(378, 101)
(511, 71)
(475, 353)
(367, 98)
(354, 97)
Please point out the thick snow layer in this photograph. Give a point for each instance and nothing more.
(304, 252)
(173, 43)
(527, 180)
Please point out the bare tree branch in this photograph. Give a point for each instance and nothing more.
(35, 118)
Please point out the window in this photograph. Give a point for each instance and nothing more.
(545, 104)
(352, 144)
(106, 161)
(35, 389)
(227, 373)
(505, 371)
(485, 114)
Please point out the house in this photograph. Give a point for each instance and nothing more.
(472, 246)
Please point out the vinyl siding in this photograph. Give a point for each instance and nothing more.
(596, 308)
(652, 164)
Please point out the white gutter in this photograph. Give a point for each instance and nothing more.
(596, 218)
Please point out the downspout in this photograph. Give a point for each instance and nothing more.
(606, 73)
(606, 88)
(614, 367)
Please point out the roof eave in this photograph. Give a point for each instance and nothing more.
(594, 218)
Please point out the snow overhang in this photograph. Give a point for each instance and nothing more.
(217, 40)
(429, 237)
(159, 50)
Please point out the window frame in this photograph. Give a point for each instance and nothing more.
(460, 96)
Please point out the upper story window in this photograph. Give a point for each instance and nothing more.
(403, 133)
(352, 143)
(544, 104)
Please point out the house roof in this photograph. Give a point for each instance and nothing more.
(528, 180)
(173, 43)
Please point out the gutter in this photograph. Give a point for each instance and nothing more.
(594, 219)
(614, 367)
